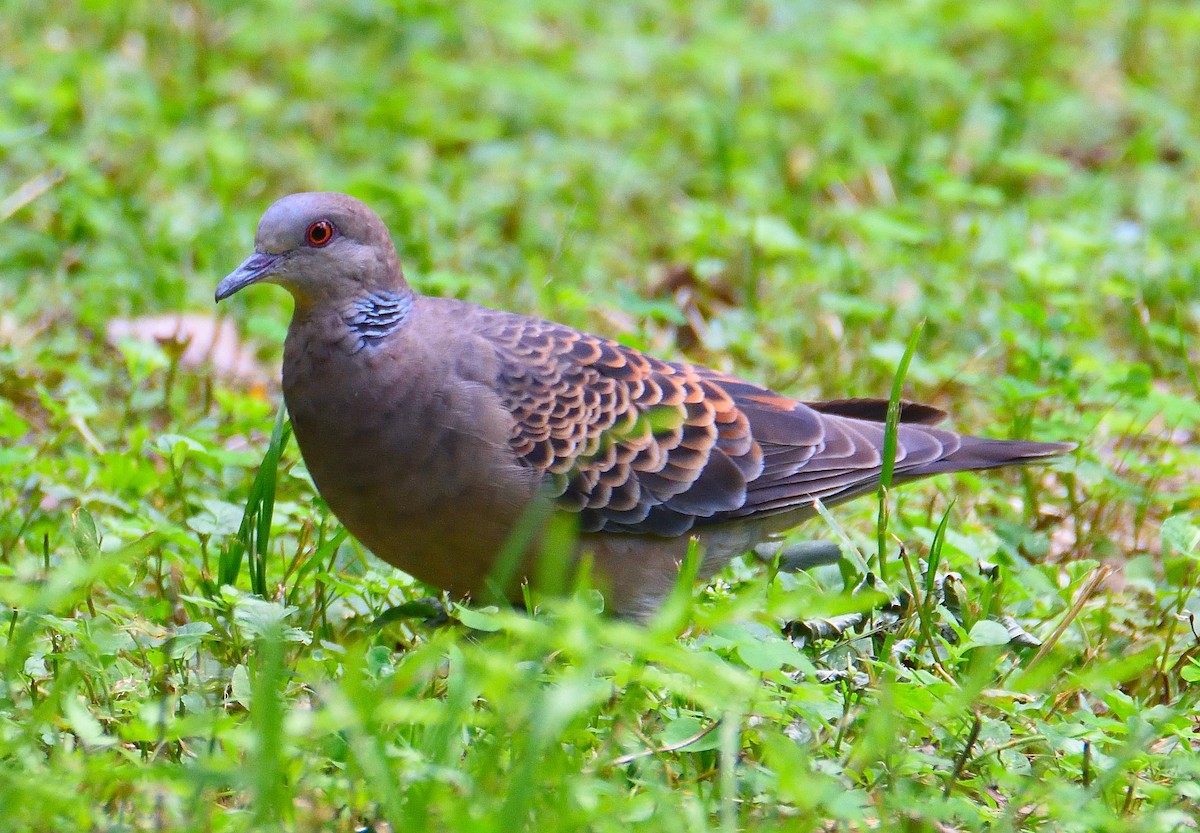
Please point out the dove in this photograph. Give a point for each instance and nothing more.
(439, 432)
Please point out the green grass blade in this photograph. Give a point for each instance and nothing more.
(267, 775)
(927, 604)
(254, 533)
(891, 428)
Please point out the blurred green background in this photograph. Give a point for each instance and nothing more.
(780, 189)
(877, 163)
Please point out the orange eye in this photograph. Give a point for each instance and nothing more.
(319, 233)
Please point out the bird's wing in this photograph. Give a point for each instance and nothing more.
(637, 444)
(829, 451)
(630, 442)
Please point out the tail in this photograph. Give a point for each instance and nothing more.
(971, 453)
(847, 460)
(979, 453)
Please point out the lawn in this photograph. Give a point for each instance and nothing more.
(785, 190)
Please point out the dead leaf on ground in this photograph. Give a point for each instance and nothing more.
(199, 340)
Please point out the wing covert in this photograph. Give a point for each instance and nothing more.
(640, 445)
(632, 443)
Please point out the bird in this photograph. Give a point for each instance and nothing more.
(435, 429)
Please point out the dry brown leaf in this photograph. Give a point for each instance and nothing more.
(202, 340)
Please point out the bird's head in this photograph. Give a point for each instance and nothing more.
(321, 247)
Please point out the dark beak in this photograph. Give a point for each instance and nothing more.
(253, 269)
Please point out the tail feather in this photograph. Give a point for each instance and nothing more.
(980, 453)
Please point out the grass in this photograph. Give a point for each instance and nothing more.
(784, 190)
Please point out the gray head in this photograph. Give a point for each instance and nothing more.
(321, 247)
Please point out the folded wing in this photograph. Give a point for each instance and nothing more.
(640, 445)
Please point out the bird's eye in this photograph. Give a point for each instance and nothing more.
(319, 233)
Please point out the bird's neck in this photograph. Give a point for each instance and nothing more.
(355, 322)
(375, 315)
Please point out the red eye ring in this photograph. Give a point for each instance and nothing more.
(319, 234)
